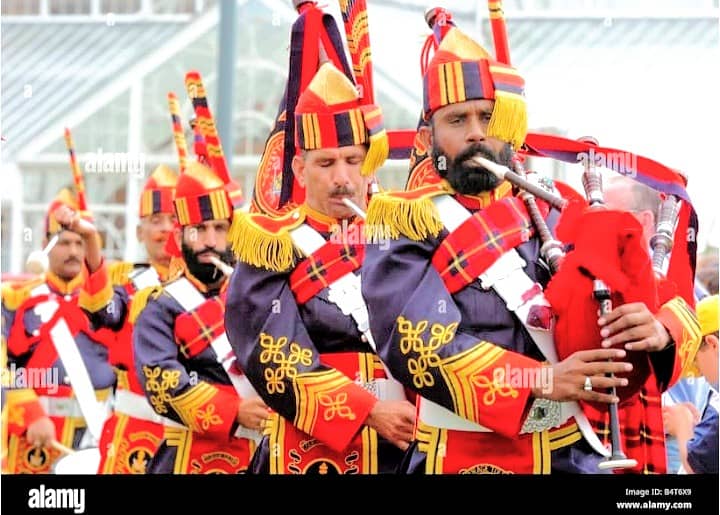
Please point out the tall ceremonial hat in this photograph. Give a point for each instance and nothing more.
(204, 190)
(330, 114)
(65, 197)
(314, 38)
(158, 193)
(207, 142)
(462, 70)
(201, 195)
(200, 148)
(455, 68)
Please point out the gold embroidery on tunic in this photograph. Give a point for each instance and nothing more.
(335, 406)
(412, 341)
(282, 366)
(159, 388)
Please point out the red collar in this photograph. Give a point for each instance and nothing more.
(58, 285)
(478, 202)
(162, 270)
(322, 222)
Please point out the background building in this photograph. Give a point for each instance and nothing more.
(640, 75)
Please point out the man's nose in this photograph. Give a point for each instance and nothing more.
(341, 174)
(166, 225)
(75, 251)
(210, 238)
(476, 130)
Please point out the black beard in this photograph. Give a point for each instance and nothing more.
(470, 179)
(206, 273)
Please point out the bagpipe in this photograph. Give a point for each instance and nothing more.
(598, 257)
(607, 264)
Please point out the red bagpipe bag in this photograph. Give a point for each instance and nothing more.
(606, 245)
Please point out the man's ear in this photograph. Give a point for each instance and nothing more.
(425, 135)
(138, 233)
(712, 340)
(647, 219)
(298, 168)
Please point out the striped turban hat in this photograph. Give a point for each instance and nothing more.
(158, 193)
(200, 195)
(461, 70)
(64, 197)
(329, 114)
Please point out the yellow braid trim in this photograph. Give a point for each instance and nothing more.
(140, 300)
(119, 272)
(390, 215)
(265, 242)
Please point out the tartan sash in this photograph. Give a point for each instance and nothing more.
(319, 270)
(474, 246)
(196, 329)
(641, 429)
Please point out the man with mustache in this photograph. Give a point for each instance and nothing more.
(133, 429)
(295, 315)
(456, 302)
(41, 415)
(184, 364)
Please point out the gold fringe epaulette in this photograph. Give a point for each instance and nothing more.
(140, 300)
(408, 213)
(264, 241)
(119, 272)
(15, 293)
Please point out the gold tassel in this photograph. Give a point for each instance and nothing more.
(119, 273)
(509, 119)
(390, 216)
(377, 153)
(259, 247)
(140, 300)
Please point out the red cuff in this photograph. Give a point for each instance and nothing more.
(208, 409)
(97, 290)
(332, 408)
(492, 386)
